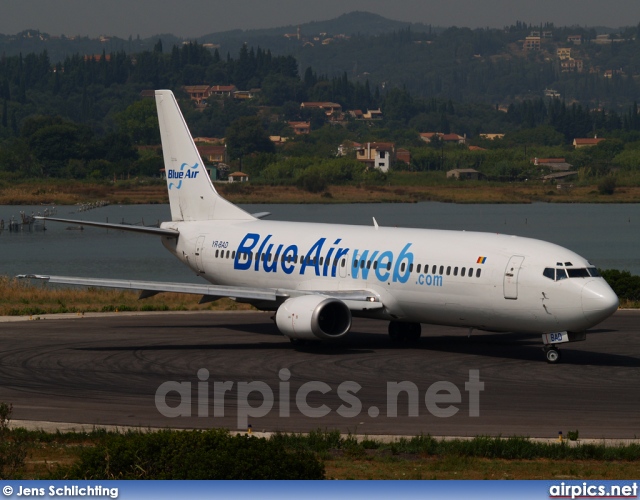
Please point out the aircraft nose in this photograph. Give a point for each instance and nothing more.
(598, 300)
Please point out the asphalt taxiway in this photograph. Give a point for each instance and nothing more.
(136, 369)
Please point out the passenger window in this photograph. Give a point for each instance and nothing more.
(402, 267)
(217, 253)
(388, 266)
(561, 274)
(471, 272)
(410, 268)
(433, 270)
(233, 254)
(375, 265)
(455, 271)
(441, 270)
(549, 272)
(369, 264)
(355, 263)
(462, 271)
(448, 270)
(478, 272)
(344, 261)
(418, 268)
(362, 264)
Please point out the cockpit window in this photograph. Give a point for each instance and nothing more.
(578, 273)
(562, 274)
(550, 273)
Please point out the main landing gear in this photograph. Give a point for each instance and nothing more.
(404, 333)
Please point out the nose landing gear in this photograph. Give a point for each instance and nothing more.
(551, 340)
(552, 353)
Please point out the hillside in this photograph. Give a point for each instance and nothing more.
(481, 65)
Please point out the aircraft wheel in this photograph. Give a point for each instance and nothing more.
(413, 332)
(395, 333)
(404, 332)
(552, 354)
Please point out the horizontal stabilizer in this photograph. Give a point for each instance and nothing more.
(120, 227)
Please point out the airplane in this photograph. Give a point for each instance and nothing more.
(317, 277)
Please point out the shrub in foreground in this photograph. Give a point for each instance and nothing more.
(191, 455)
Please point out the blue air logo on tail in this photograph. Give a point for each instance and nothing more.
(190, 173)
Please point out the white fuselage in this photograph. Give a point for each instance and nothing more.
(479, 280)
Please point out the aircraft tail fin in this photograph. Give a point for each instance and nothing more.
(191, 193)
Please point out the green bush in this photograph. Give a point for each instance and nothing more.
(13, 450)
(626, 285)
(210, 454)
(607, 185)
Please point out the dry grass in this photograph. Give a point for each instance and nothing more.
(45, 456)
(134, 192)
(70, 192)
(453, 467)
(21, 297)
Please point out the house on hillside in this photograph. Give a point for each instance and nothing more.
(238, 177)
(348, 147)
(531, 43)
(376, 155)
(403, 155)
(212, 153)
(555, 164)
(429, 137)
(197, 93)
(223, 90)
(464, 174)
(329, 108)
(492, 137)
(454, 139)
(372, 114)
(586, 142)
(300, 128)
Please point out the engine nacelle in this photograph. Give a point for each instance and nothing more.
(313, 317)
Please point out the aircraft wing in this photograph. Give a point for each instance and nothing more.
(355, 299)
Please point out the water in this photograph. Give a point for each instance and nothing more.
(607, 235)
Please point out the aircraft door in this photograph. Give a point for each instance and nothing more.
(199, 252)
(510, 282)
(343, 266)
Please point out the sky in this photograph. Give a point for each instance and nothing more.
(193, 18)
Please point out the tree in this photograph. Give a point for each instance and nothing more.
(246, 135)
(140, 122)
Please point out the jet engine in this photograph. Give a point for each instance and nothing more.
(313, 317)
